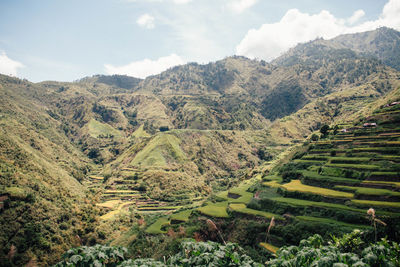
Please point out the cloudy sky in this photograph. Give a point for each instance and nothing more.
(67, 40)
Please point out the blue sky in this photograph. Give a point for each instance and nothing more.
(67, 40)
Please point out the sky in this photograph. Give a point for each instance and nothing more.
(66, 40)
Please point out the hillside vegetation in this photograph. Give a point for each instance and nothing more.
(145, 162)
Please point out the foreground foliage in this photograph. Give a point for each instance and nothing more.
(191, 254)
(349, 250)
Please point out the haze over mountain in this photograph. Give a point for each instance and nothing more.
(185, 133)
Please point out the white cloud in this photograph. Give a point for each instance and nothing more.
(270, 40)
(238, 6)
(9, 66)
(357, 15)
(146, 67)
(146, 21)
(180, 2)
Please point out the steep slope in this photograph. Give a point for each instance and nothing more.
(42, 203)
(382, 43)
(155, 145)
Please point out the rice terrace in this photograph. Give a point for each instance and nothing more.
(218, 133)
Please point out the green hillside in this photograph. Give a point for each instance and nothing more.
(146, 162)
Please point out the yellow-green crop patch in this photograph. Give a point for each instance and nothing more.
(158, 208)
(109, 204)
(217, 209)
(159, 151)
(155, 228)
(241, 208)
(355, 166)
(97, 129)
(15, 192)
(372, 203)
(350, 160)
(121, 191)
(368, 191)
(182, 216)
(273, 184)
(99, 178)
(140, 133)
(330, 179)
(269, 247)
(396, 184)
(296, 185)
(331, 221)
(308, 203)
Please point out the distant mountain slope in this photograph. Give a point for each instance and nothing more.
(175, 136)
(382, 43)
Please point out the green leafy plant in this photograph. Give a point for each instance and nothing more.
(93, 256)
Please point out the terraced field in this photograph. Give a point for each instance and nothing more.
(122, 192)
(335, 180)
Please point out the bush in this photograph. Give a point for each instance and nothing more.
(343, 251)
(314, 137)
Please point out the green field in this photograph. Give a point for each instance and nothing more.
(160, 151)
(331, 221)
(331, 179)
(354, 166)
(296, 185)
(368, 191)
(182, 216)
(217, 209)
(241, 208)
(371, 203)
(307, 203)
(97, 129)
(155, 228)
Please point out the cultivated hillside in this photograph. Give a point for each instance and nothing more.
(83, 161)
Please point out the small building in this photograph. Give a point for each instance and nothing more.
(369, 124)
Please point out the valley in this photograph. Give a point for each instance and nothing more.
(306, 143)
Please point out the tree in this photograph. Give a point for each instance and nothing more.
(314, 137)
(324, 129)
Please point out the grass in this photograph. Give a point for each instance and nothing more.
(15, 192)
(368, 191)
(99, 178)
(296, 185)
(331, 221)
(241, 189)
(121, 191)
(182, 216)
(348, 160)
(97, 128)
(372, 203)
(315, 157)
(384, 174)
(241, 208)
(109, 204)
(269, 247)
(155, 228)
(217, 209)
(355, 166)
(325, 178)
(273, 184)
(307, 203)
(157, 208)
(161, 150)
(396, 184)
(140, 133)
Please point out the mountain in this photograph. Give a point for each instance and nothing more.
(382, 44)
(83, 161)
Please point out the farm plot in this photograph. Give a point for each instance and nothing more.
(296, 185)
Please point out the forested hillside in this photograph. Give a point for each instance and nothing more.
(144, 162)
